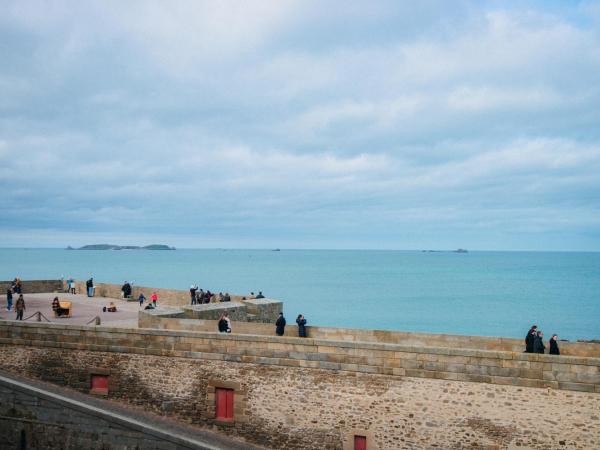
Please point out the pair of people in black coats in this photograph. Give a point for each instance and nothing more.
(280, 325)
(534, 342)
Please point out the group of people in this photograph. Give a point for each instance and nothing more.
(534, 342)
(199, 296)
(16, 288)
(151, 304)
(280, 324)
(224, 324)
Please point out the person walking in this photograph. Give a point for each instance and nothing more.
(530, 338)
(9, 299)
(280, 325)
(538, 343)
(20, 307)
(554, 350)
(141, 298)
(301, 321)
(154, 298)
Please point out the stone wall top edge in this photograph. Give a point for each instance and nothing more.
(496, 354)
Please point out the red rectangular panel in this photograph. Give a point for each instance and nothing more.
(100, 383)
(224, 404)
(360, 443)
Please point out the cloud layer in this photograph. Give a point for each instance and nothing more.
(301, 124)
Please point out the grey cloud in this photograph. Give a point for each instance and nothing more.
(225, 126)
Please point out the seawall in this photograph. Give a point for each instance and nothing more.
(292, 393)
(459, 364)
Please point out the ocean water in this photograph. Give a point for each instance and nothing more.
(478, 293)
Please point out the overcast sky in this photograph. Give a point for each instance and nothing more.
(301, 124)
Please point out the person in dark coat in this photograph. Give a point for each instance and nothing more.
(224, 323)
(193, 290)
(126, 289)
(89, 285)
(9, 299)
(538, 343)
(530, 338)
(280, 325)
(554, 345)
(301, 321)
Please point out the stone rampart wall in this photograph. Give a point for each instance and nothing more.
(498, 367)
(298, 407)
(34, 286)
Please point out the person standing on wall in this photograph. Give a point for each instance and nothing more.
(141, 298)
(554, 350)
(301, 321)
(154, 298)
(280, 325)
(20, 307)
(538, 343)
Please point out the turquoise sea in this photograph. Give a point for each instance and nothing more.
(477, 293)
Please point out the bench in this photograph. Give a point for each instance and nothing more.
(64, 306)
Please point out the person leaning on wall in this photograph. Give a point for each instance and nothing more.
(301, 321)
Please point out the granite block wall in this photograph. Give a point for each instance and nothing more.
(497, 367)
(292, 407)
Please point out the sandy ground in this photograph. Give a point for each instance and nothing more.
(84, 309)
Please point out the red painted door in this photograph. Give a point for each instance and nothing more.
(224, 406)
(360, 443)
(100, 383)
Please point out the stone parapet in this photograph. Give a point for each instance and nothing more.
(487, 366)
(34, 286)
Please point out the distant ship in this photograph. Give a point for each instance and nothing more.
(461, 250)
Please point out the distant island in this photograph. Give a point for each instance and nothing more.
(122, 247)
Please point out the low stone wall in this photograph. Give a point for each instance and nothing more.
(507, 368)
(375, 336)
(34, 286)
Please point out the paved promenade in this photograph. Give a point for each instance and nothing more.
(84, 309)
